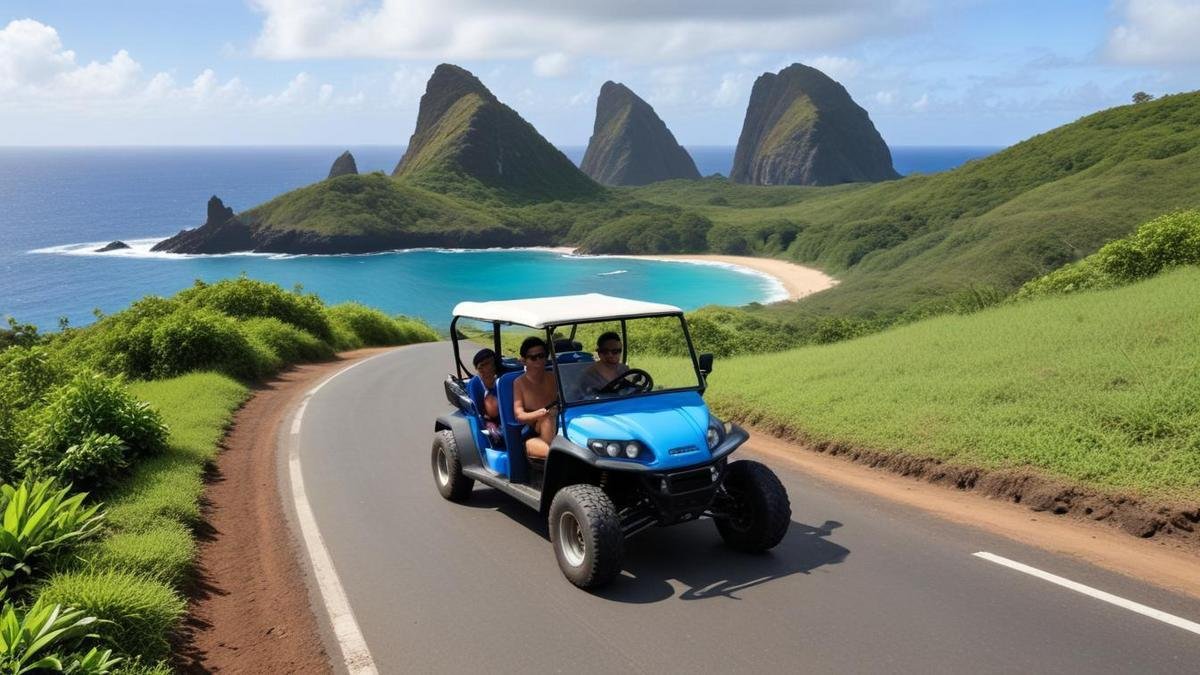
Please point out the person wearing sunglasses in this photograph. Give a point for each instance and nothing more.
(535, 394)
(609, 366)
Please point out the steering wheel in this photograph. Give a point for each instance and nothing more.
(634, 378)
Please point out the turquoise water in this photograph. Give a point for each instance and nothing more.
(52, 199)
(424, 282)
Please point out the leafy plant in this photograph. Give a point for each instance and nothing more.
(39, 522)
(91, 428)
(34, 640)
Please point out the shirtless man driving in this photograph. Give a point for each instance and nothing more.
(533, 394)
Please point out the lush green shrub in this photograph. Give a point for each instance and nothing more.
(201, 339)
(666, 232)
(27, 373)
(289, 343)
(374, 328)
(49, 638)
(89, 429)
(1166, 241)
(344, 337)
(138, 612)
(40, 522)
(246, 298)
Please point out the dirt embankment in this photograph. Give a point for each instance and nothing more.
(1164, 548)
(249, 611)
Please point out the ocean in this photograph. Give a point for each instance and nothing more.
(56, 204)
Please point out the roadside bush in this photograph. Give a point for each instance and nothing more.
(202, 339)
(166, 487)
(27, 373)
(289, 343)
(374, 328)
(137, 613)
(246, 298)
(48, 637)
(40, 522)
(344, 337)
(89, 429)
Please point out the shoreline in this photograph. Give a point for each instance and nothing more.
(791, 281)
(797, 281)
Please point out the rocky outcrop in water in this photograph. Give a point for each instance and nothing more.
(630, 144)
(222, 232)
(344, 165)
(464, 132)
(112, 246)
(802, 128)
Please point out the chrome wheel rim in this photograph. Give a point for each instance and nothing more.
(570, 539)
(443, 467)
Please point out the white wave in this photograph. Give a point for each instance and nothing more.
(609, 274)
(138, 248)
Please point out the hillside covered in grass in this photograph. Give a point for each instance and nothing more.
(1099, 388)
(995, 222)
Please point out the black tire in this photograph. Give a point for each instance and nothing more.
(761, 510)
(586, 534)
(447, 468)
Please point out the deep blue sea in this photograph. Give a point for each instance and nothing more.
(56, 204)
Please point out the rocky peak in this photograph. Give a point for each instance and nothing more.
(630, 144)
(344, 165)
(222, 232)
(802, 128)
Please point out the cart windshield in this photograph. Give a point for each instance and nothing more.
(604, 360)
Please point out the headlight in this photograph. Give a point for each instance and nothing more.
(713, 436)
(607, 448)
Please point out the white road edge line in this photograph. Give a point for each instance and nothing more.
(1178, 622)
(353, 645)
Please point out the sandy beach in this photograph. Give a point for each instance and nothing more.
(798, 281)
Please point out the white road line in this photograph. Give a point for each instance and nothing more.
(1178, 622)
(355, 653)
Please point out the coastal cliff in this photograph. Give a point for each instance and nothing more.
(802, 128)
(222, 232)
(630, 144)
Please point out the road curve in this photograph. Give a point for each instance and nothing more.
(858, 585)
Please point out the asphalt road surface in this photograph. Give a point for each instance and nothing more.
(858, 585)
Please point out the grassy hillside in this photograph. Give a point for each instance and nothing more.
(1100, 388)
(998, 221)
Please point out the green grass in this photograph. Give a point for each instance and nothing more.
(1100, 388)
(138, 613)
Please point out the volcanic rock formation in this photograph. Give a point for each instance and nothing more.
(222, 232)
(344, 165)
(802, 128)
(630, 144)
(463, 131)
(112, 246)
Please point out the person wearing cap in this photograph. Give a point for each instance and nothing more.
(483, 391)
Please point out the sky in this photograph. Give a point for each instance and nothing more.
(351, 72)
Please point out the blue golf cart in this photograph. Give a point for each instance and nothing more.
(632, 454)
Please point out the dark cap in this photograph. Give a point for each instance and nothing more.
(482, 355)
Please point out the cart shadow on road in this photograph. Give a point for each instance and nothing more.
(693, 556)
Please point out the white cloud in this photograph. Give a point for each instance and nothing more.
(325, 93)
(554, 64)
(734, 89)
(34, 63)
(885, 98)
(1156, 32)
(637, 29)
(921, 104)
(838, 67)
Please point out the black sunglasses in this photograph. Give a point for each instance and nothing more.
(618, 350)
(535, 357)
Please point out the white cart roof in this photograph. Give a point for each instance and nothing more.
(563, 309)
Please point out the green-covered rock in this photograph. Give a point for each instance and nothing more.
(802, 128)
(630, 144)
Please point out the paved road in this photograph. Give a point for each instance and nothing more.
(858, 585)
